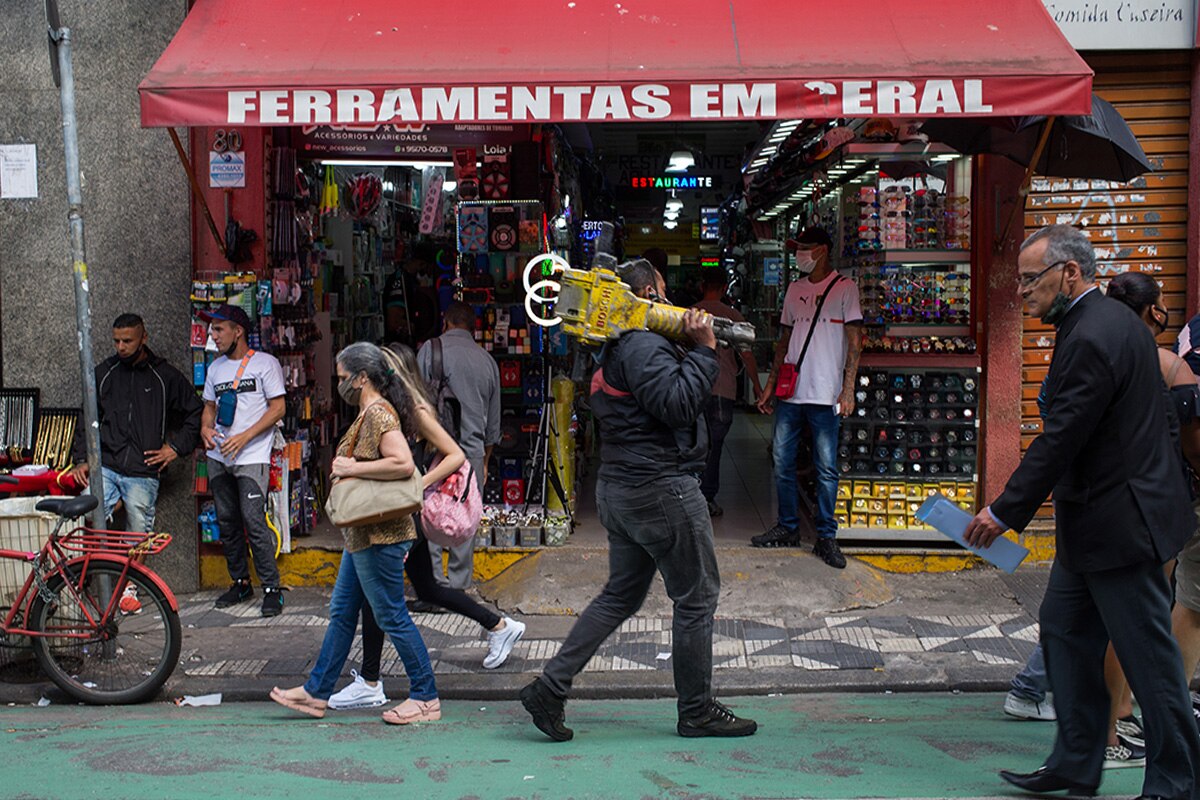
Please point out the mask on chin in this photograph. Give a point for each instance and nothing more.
(132, 358)
(1058, 309)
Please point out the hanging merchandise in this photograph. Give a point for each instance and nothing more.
(329, 193)
(363, 194)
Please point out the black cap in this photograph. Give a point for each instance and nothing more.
(815, 235)
(227, 313)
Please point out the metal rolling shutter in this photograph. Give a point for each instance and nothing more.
(1139, 226)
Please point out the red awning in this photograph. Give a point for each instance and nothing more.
(301, 62)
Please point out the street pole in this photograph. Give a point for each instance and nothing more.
(60, 51)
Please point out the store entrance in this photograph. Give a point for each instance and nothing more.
(372, 234)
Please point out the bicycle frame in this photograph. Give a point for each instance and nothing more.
(74, 570)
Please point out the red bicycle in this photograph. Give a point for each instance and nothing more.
(104, 627)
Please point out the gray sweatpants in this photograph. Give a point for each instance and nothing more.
(240, 494)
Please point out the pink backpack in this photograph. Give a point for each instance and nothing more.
(452, 508)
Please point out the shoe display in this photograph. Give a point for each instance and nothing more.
(1124, 754)
(547, 711)
(828, 551)
(1041, 781)
(717, 720)
(239, 592)
(778, 536)
(358, 694)
(1130, 728)
(714, 510)
(500, 643)
(1021, 708)
(272, 604)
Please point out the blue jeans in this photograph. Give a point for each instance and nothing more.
(376, 575)
(789, 420)
(1031, 682)
(138, 494)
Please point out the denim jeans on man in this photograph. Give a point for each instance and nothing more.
(824, 423)
(1031, 682)
(138, 496)
(375, 576)
(240, 494)
(661, 525)
(719, 415)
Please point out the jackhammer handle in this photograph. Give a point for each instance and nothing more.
(668, 320)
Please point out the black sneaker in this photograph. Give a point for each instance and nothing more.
(272, 603)
(714, 510)
(546, 710)
(416, 606)
(778, 536)
(717, 720)
(239, 592)
(828, 551)
(1130, 728)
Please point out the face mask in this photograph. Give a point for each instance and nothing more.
(232, 348)
(1058, 306)
(131, 359)
(349, 393)
(805, 263)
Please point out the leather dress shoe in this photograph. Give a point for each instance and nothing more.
(1042, 781)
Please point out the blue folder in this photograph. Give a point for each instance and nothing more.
(951, 520)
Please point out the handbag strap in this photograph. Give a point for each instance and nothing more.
(816, 316)
(437, 371)
(242, 369)
(358, 430)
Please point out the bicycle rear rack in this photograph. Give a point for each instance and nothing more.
(124, 543)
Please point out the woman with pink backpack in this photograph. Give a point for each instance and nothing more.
(452, 506)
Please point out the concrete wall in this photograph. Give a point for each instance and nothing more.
(136, 214)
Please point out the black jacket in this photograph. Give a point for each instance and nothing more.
(649, 402)
(142, 407)
(1106, 449)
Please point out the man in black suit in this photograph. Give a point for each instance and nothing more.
(1108, 452)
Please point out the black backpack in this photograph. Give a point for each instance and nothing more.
(445, 404)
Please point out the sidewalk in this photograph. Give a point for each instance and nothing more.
(786, 624)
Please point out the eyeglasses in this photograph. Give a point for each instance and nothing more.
(1028, 281)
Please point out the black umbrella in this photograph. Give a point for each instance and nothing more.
(1099, 145)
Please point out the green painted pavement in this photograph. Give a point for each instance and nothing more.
(818, 746)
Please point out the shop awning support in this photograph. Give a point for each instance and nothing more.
(64, 78)
(199, 195)
(1027, 181)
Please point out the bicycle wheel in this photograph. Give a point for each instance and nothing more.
(125, 658)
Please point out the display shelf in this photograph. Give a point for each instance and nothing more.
(928, 361)
(917, 256)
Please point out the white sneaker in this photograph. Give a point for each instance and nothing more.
(1019, 707)
(500, 643)
(358, 694)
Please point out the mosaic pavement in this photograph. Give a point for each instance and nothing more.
(458, 645)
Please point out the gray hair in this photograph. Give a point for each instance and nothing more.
(1065, 243)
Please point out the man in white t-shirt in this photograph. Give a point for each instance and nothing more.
(822, 392)
(243, 400)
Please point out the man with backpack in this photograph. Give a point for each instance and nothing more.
(468, 376)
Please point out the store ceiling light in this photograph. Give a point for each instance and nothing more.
(670, 224)
(674, 205)
(449, 186)
(681, 161)
(946, 157)
(672, 215)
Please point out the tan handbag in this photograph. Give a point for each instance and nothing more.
(365, 501)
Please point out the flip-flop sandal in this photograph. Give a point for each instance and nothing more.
(308, 706)
(392, 715)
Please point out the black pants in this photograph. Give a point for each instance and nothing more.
(419, 571)
(240, 494)
(661, 526)
(719, 415)
(1132, 605)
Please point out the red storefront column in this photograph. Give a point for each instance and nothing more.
(999, 316)
(247, 205)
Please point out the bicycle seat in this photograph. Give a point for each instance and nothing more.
(68, 507)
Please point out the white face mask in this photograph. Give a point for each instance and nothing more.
(805, 263)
